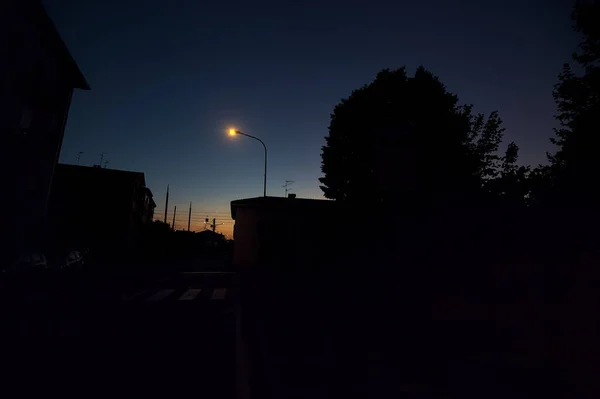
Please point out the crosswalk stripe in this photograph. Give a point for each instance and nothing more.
(190, 294)
(160, 295)
(219, 293)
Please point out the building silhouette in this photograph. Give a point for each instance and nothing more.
(287, 233)
(38, 78)
(98, 208)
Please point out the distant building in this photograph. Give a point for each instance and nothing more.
(38, 76)
(209, 238)
(98, 207)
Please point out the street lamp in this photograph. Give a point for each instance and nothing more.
(233, 132)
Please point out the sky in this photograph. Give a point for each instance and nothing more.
(169, 77)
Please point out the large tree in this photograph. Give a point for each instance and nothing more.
(511, 185)
(574, 166)
(402, 135)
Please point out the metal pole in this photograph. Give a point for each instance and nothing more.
(167, 204)
(190, 216)
(265, 147)
(265, 180)
(174, 212)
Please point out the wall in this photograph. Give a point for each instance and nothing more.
(33, 106)
(295, 238)
(246, 238)
(94, 207)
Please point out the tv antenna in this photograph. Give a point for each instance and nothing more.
(286, 185)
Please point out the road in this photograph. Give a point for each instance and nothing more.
(307, 335)
(167, 336)
(370, 335)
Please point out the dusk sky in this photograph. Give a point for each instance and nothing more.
(169, 77)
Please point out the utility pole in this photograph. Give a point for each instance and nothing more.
(190, 216)
(79, 156)
(174, 212)
(167, 204)
(286, 185)
(213, 226)
(102, 158)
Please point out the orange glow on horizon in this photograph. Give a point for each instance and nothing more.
(198, 225)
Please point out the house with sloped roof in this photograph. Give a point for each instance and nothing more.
(39, 76)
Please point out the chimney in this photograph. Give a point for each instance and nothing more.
(291, 196)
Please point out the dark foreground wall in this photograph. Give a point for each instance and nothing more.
(467, 303)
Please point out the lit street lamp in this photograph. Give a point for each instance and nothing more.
(233, 132)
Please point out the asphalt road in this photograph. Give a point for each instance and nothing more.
(306, 335)
(172, 335)
(370, 335)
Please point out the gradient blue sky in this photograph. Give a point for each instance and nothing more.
(168, 77)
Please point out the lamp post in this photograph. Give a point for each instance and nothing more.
(233, 132)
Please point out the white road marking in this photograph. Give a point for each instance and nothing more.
(160, 295)
(190, 294)
(219, 293)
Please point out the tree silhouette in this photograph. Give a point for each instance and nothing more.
(401, 136)
(573, 167)
(540, 181)
(511, 185)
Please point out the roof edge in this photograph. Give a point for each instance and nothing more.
(78, 80)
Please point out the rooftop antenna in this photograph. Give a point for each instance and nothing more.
(79, 156)
(102, 158)
(286, 185)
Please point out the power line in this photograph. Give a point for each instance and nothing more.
(198, 212)
(202, 212)
(197, 221)
(196, 217)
